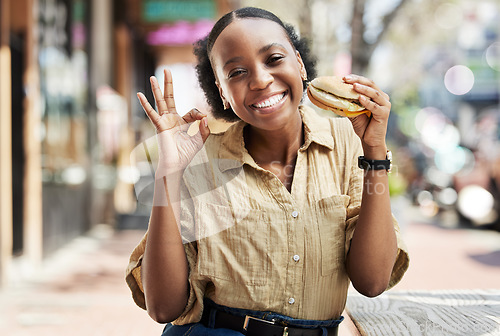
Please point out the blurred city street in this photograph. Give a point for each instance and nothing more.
(81, 290)
(78, 153)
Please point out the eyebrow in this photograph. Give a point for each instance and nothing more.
(261, 51)
(269, 46)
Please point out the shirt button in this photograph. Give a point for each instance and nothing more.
(295, 214)
(296, 257)
(291, 300)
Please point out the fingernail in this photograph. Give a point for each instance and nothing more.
(199, 112)
(205, 121)
(348, 77)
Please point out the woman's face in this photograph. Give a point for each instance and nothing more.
(258, 72)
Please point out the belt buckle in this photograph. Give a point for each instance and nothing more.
(248, 318)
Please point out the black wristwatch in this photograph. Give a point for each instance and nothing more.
(376, 164)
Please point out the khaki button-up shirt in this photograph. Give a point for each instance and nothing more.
(252, 244)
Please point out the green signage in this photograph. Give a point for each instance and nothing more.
(157, 11)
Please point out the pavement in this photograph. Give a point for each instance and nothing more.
(80, 290)
(446, 255)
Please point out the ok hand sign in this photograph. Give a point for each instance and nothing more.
(176, 148)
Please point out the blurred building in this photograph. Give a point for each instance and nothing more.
(69, 73)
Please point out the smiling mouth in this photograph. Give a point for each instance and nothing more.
(270, 101)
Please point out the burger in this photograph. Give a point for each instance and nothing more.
(332, 93)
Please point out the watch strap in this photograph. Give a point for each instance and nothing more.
(367, 164)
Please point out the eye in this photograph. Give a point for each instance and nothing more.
(235, 73)
(275, 58)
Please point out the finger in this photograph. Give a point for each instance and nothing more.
(198, 132)
(169, 91)
(193, 115)
(374, 107)
(201, 132)
(204, 130)
(377, 96)
(150, 111)
(352, 79)
(160, 101)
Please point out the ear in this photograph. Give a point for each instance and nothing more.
(221, 93)
(303, 71)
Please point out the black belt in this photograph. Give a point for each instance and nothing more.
(252, 326)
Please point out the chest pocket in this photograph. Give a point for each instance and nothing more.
(233, 244)
(331, 220)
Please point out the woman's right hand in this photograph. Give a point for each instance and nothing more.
(176, 148)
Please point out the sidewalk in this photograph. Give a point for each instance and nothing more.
(82, 289)
(448, 257)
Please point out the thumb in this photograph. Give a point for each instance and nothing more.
(204, 130)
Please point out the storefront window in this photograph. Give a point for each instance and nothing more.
(64, 84)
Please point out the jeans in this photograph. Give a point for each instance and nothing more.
(198, 329)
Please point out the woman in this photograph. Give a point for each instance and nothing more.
(275, 216)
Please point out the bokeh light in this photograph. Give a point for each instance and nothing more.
(451, 160)
(438, 177)
(129, 174)
(459, 80)
(493, 56)
(476, 203)
(448, 196)
(436, 130)
(74, 175)
(422, 116)
(428, 207)
(424, 196)
(470, 35)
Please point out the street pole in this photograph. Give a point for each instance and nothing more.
(5, 144)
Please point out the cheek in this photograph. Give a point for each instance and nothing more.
(298, 87)
(228, 91)
(236, 98)
(295, 69)
(234, 95)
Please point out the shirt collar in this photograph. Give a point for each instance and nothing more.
(233, 153)
(316, 129)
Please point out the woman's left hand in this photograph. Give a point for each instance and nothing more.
(371, 130)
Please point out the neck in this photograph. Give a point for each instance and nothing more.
(268, 146)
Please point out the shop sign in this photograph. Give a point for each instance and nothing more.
(157, 11)
(180, 32)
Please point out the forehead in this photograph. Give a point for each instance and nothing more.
(249, 33)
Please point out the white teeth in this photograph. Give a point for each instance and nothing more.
(271, 101)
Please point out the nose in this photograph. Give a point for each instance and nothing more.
(260, 79)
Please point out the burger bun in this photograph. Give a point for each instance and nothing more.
(332, 93)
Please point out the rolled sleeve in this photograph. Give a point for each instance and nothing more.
(402, 260)
(133, 274)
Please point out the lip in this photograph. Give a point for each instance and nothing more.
(272, 108)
